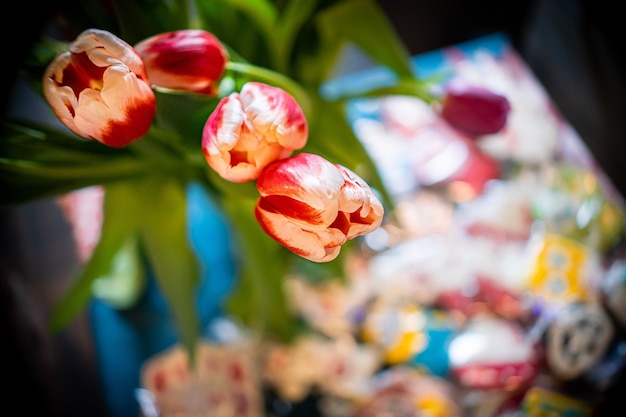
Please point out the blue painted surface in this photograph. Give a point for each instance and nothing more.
(124, 339)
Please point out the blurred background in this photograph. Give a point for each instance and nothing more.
(574, 47)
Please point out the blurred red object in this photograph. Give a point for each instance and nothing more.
(474, 110)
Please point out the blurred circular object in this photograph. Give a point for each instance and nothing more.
(577, 339)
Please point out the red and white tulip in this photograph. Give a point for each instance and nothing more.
(99, 89)
(252, 128)
(190, 60)
(312, 206)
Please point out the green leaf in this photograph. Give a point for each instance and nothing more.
(126, 281)
(293, 17)
(163, 219)
(119, 225)
(363, 23)
(140, 19)
(258, 298)
(38, 161)
(239, 29)
(262, 12)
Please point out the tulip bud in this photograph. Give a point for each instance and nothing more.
(473, 110)
(190, 60)
(250, 129)
(312, 206)
(98, 89)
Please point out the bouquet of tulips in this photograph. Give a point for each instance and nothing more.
(153, 96)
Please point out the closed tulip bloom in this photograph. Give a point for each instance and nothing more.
(99, 89)
(190, 60)
(312, 206)
(474, 110)
(252, 128)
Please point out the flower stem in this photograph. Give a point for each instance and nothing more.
(193, 17)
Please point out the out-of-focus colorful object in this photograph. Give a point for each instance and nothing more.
(483, 295)
(474, 110)
(560, 272)
(433, 152)
(433, 359)
(492, 353)
(397, 328)
(404, 392)
(541, 402)
(409, 334)
(577, 338)
(613, 289)
(572, 203)
(337, 367)
(225, 382)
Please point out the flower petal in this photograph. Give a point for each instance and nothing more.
(275, 114)
(250, 129)
(312, 206)
(97, 89)
(190, 60)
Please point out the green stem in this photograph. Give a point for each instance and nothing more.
(276, 79)
(193, 17)
(111, 168)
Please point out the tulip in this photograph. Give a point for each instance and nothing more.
(312, 206)
(99, 89)
(473, 110)
(190, 60)
(252, 128)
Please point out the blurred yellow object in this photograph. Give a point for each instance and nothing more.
(540, 402)
(559, 271)
(396, 328)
